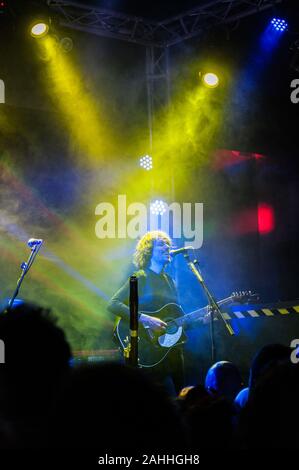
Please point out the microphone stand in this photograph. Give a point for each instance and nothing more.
(25, 266)
(214, 307)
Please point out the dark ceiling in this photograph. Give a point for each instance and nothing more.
(148, 8)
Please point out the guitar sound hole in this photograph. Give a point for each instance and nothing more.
(171, 328)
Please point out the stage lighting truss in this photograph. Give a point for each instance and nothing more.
(173, 30)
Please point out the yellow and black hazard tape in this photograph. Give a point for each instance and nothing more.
(260, 312)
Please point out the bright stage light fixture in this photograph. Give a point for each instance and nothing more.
(158, 207)
(146, 162)
(210, 80)
(39, 29)
(279, 24)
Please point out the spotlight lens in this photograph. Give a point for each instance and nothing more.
(39, 30)
(158, 207)
(211, 80)
(279, 24)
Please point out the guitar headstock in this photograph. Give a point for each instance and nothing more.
(243, 297)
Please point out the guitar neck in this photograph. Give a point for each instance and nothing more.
(200, 313)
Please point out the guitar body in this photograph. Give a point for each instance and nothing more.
(152, 347)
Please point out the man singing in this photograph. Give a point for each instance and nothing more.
(155, 290)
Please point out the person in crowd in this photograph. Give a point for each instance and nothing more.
(37, 364)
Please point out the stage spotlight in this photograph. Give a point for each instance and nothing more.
(146, 162)
(210, 80)
(39, 29)
(158, 207)
(279, 24)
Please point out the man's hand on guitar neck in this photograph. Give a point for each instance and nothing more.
(152, 322)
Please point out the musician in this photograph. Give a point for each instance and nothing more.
(155, 289)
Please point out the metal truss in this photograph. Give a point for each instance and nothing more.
(207, 15)
(104, 22)
(164, 33)
(158, 83)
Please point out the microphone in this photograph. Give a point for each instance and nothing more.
(180, 250)
(34, 242)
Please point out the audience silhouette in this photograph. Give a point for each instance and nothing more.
(46, 402)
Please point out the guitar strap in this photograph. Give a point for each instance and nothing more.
(171, 287)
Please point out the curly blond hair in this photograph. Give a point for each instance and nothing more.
(144, 248)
